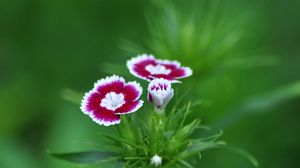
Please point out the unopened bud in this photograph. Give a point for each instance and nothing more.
(160, 93)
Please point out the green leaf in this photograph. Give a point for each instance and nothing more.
(185, 114)
(119, 165)
(187, 130)
(186, 164)
(260, 103)
(202, 146)
(71, 96)
(85, 157)
(211, 138)
(244, 153)
(181, 135)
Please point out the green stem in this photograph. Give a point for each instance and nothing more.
(159, 121)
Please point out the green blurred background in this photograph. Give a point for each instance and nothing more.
(245, 56)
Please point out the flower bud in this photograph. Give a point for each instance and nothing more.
(160, 93)
(156, 160)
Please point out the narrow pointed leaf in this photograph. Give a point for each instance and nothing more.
(202, 146)
(71, 95)
(243, 153)
(186, 164)
(85, 157)
(260, 103)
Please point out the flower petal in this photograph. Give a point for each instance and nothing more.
(160, 92)
(148, 67)
(169, 64)
(182, 72)
(130, 107)
(138, 64)
(111, 95)
(90, 102)
(132, 91)
(110, 84)
(155, 99)
(105, 117)
(163, 76)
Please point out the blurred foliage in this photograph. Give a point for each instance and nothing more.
(165, 134)
(46, 46)
(206, 35)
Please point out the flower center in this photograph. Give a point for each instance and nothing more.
(112, 101)
(157, 69)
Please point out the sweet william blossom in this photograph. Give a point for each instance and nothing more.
(148, 67)
(160, 93)
(110, 98)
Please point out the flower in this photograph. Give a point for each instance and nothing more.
(160, 93)
(148, 67)
(110, 98)
(156, 160)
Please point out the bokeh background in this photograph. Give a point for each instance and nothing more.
(245, 56)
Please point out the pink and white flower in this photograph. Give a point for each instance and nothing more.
(160, 93)
(110, 98)
(148, 67)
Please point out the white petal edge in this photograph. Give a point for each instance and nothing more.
(139, 105)
(158, 101)
(137, 86)
(100, 82)
(159, 80)
(84, 102)
(165, 61)
(107, 80)
(102, 122)
(130, 64)
(154, 93)
(188, 72)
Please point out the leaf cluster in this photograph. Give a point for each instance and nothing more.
(138, 138)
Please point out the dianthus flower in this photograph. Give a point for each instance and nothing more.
(148, 67)
(110, 98)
